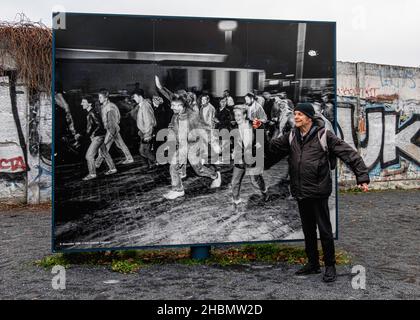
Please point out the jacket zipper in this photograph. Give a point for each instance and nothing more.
(299, 167)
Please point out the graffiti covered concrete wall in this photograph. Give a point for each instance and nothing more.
(39, 148)
(378, 113)
(12, 155)
(25, 143)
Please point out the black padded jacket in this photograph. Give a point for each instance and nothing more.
(309, 168)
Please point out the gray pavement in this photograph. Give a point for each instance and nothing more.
(380, 230)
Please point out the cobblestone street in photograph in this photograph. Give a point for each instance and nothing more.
(127, 209)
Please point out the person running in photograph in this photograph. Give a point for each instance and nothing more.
(256, 112)
(184, 124)
(192, 100)
(163, 115)
(318, 112)
(268, 103)
(283, 96)
(146, 122)
(111, 118)
(207, 112)
(230, 103)
(258, 97)
(223, 122)
(96, 132)
(245, 145)
(223, 116)
(327, 107)
(310, 181)
(73, 137)
(282, 117)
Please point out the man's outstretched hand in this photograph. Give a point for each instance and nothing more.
(364, 187)
(157, 82)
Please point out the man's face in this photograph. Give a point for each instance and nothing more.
(248, 100)
(266, 95)
(225, 94)
(137, 98)
(85, 104)
(222, 103)
(177, 106)
(283, 105)
(192, 98)
(204, 100)
(317, 106)
(156, 101)
(301, 119)
(239, 116)
(325, 99)
(101, 98)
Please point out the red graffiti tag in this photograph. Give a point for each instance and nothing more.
(368, 91)
(12, 164)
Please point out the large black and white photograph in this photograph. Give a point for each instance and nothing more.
(175, 130)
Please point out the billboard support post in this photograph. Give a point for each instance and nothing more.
(200, 252)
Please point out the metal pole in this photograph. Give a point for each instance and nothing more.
(300, 57)
(200, 252)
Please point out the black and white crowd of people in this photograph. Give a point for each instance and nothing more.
(180, 113)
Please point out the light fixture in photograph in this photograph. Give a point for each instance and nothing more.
(313, 53)
(228, 26)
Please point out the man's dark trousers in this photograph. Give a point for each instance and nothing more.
(315, 212)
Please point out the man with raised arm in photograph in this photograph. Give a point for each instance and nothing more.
(184, 130)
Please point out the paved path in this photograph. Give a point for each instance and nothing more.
(379, 229)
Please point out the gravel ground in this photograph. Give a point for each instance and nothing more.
(380, 230)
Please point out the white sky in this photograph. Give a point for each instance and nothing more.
(377, 31)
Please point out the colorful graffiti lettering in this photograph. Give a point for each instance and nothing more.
(11, 158)
(368, 92)
(382, 138)
(16, 164)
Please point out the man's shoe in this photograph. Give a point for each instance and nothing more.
(89, 177)
(111, 171)
(216, 182)
(237, 202)
(308, 269)
(127, 161)
(330, 274)
(171, 195)
(266, 196)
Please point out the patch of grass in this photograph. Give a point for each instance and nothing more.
(52, 260)
(132, 260)
(126, 266)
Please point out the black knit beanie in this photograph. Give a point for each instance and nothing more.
(306, 108)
